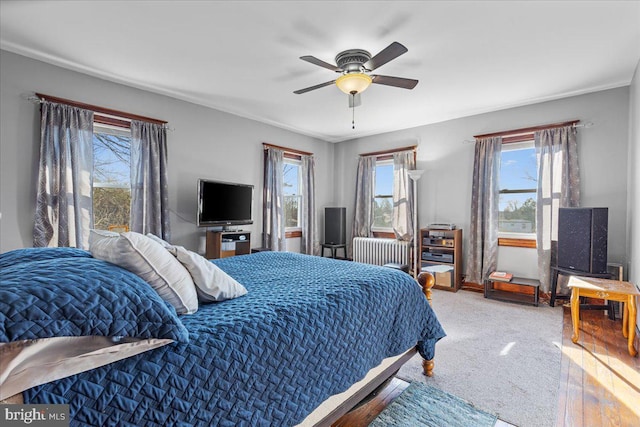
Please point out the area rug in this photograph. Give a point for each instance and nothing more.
(423, 405)
(502, 357)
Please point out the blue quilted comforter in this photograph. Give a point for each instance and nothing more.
(65, 292)
(308, 328)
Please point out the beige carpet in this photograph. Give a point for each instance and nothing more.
(502, 357)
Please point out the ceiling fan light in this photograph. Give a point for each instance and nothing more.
(353, 82)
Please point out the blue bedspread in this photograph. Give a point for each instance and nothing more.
(308, 328)
(65, 292)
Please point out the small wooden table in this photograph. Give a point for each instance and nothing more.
(531, 297)
(613, 290)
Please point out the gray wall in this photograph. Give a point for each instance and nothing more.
(209, 143)
(633, 202)
(204, 143)
(444, 189)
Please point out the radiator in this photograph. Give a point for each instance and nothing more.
(376, 251)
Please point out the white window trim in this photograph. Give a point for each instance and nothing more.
(511, 235)
(374, 229)
(507, 234)
(299, 196)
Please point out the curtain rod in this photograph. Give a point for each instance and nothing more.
(96, 109)
(532, 129)
(285, 149)
(394, 150)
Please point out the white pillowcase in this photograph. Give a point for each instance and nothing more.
(150, 261)
(212, 283)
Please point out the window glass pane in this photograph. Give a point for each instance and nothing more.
(518, 169)
(518, 172)
(382, 212)
(111, 179)
(517, 213)
(384, 179)
(383, 202)
(292, 197)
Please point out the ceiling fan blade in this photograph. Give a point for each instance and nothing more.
(395, 81)
(316, 61)
(307, 89)
(355, 101)
(387, 54)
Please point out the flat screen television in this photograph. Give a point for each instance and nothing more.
(224, 203)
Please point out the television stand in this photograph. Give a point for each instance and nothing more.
(223, 244)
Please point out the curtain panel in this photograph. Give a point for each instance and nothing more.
(403, 189)
(149, 188)
(273, 236)
(309, 244)
(485, 196)
(365, 188)
(558, 186)
(64, 208)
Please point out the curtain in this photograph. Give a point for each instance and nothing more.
(64, 209)
(309, 244)
(558, 186)
(485, 195)
(365, 188)
(402, 221)
(149, 190)
(273, 236)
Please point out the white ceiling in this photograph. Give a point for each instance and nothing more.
(243, 57)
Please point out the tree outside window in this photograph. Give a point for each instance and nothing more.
(518, 183)
(292, 196)
(383, 200)
(111, 178)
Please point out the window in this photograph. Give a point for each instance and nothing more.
(111, 177)
(518, 183)
(292, 195)
(383, 200)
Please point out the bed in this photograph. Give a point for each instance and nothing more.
(308, 328)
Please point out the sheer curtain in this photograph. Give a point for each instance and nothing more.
(273, 236)
(149, 190)
(64, 209)
(485, 193)
(309, 244)
(365, 188)
(558, 186)
(403, 161)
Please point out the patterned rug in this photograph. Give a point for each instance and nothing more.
(423, 405)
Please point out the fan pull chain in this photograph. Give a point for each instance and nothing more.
(353, 109)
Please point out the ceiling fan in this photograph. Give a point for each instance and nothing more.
(355, 65)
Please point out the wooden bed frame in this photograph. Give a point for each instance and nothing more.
(369, 384)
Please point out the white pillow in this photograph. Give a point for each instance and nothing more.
(155, 238)
(151, 262)
(212, 283)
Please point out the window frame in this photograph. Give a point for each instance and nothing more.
(291, 232)
(384, 231)
(116, 130)
(514, 239)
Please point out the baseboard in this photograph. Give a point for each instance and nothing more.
(470, 286)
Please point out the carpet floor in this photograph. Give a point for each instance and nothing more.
(425, 406)
(503, 358)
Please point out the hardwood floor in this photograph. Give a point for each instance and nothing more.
(599, 380)
(366, 411)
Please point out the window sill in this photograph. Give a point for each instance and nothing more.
(289, 234)
(517, 242)
(383, 234)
